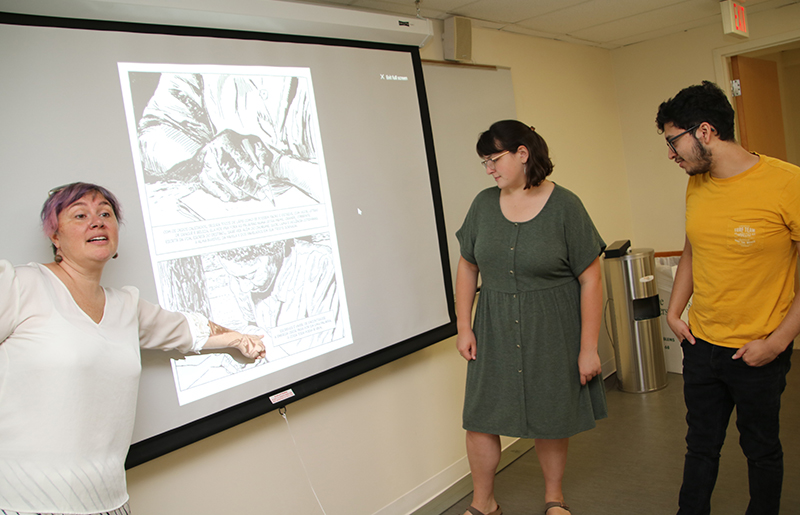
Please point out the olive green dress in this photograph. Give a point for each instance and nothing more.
(525, 381)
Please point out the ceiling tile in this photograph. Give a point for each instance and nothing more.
(594, 12)
(684, 13)
(663, 31)
(512, 11)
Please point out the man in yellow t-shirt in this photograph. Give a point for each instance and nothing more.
(739, 263)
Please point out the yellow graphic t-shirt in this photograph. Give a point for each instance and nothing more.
(743, 231)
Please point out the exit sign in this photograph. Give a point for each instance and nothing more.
(734, 19)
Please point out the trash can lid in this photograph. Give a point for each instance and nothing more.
(617, 249)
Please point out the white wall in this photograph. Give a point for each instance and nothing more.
(366, 443)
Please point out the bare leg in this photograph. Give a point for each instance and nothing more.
(483, 453)
(553, 460)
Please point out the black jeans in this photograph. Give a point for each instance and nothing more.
(713, 384)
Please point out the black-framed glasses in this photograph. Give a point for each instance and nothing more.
(671, 141)
(491, 162)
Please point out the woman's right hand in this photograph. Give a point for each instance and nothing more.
(466, 344)
(250, 345)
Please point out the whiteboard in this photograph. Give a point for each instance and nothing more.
(464, 101)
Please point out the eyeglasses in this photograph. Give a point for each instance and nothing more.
(491, 162)
(671, 141)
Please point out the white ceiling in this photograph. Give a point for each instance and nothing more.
(601, 23)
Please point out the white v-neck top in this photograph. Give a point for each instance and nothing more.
(68, 389)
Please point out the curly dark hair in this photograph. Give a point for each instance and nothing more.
(694, 105)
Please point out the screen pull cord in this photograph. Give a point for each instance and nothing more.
(282, 411)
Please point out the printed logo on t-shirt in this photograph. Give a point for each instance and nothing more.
(744, 235)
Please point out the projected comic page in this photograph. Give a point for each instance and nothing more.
(237, 212)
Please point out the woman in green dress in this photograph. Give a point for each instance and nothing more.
(533, 369)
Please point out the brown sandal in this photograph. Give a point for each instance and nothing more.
(476, 511)
(555, 504)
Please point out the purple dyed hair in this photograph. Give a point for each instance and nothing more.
(64, 196)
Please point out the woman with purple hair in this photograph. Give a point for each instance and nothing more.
(70, 365)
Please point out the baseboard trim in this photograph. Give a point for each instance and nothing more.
(463, 486)
(609, 367)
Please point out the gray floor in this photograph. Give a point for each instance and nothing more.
(632, 462)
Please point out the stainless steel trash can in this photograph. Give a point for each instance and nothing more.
(635, 317)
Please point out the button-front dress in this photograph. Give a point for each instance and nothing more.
(525, 381)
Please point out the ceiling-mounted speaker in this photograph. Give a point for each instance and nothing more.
(458, 39)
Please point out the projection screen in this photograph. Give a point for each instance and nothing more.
(283, 186)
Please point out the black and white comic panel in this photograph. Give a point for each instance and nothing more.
(237, 211)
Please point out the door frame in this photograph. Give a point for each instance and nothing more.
(722, 55)
(722, 68)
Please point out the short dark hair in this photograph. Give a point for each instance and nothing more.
(509, 135)
(694, 105)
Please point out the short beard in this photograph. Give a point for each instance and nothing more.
(703, 158)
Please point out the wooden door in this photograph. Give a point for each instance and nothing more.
(758, 108)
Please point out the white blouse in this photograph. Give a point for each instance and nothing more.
(68, 389)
